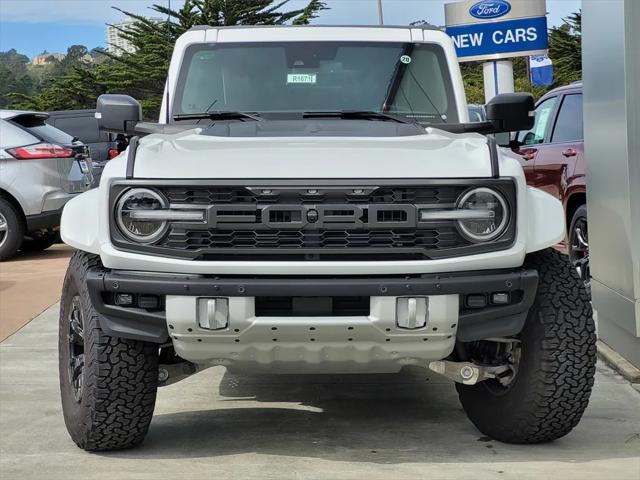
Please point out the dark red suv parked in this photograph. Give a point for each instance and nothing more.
(553, 160)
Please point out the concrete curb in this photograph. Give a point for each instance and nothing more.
(618, 362)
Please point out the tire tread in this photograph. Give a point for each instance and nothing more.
(121, 378)
(558, 387)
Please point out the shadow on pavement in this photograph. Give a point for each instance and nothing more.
(51, 253)
(385, 419)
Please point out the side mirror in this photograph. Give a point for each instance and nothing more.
(509, 112)
(118, 113)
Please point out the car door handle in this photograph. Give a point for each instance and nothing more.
(570, 152)
(529, 154)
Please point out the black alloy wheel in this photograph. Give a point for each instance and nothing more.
(76, 348)
(579, 245)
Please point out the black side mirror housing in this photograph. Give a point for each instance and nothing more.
(510, 112)
(118, 113)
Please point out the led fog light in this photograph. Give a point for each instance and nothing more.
(123, 299)
(500, 298)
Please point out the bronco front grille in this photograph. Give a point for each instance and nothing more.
(344, 220)
(440, 195)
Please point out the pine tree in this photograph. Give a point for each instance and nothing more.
(13, 76)
(565, 49)
(143, 72)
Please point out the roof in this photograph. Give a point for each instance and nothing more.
(425, 26)
(571, 86)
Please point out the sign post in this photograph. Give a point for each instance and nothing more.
(498, 78)
(495, 31)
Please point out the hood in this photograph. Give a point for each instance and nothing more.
(435, 154)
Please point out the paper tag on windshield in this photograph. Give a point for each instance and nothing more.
(302, 77)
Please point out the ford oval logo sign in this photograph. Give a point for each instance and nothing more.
(490, 9)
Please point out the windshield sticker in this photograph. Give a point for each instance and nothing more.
(406, 59)
(302, 77)
(206, 55)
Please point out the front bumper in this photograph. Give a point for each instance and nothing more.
(44, 220)
(344, 341)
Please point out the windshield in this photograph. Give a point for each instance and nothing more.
(271, 79)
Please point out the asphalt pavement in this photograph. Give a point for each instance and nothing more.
(223, 426)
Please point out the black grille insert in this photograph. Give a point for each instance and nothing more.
(312, 306)
(441, 195)
(429, 238)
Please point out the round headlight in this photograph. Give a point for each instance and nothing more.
(487, 214)
(130, 215)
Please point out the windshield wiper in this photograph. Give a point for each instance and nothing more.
(217, 115)
(356, 115)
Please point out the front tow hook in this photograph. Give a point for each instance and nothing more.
(469, 373)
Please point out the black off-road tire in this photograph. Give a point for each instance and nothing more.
(38, 244)
(14, 232)
(552, 386)
(119, 379)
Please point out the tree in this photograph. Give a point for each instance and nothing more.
(565, 49)
(143, 72)
(13, 76)
(77, 89)
(69, 84)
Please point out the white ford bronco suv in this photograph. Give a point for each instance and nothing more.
(314, 199)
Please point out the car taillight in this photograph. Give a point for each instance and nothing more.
(40, 150)
(113, 153)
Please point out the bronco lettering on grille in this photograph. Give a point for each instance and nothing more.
(312, 217)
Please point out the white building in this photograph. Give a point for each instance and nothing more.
(116, 42)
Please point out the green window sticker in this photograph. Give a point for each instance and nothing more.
(206, 55)
(302, 77)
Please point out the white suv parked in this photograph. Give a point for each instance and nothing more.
(313, 199)
(41, 168)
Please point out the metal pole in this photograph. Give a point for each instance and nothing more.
(380, 16)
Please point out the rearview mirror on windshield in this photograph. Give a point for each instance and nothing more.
(509, 112)
(118, 113)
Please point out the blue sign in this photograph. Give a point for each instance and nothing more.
(490, 9)
(509, 36)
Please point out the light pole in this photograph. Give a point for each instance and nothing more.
(380, 16)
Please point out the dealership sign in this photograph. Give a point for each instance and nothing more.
(484, 10)
(495, 29)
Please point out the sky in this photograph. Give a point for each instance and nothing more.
(32, 26)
